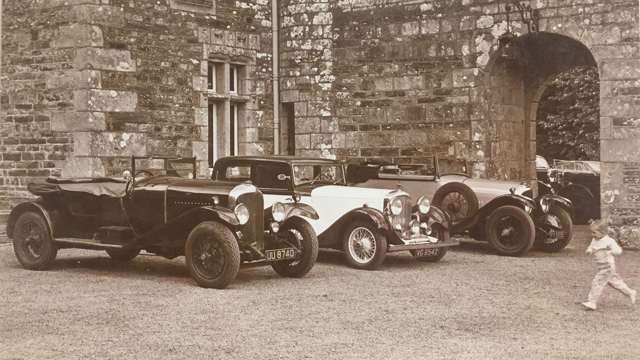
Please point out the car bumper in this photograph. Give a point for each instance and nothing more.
(423, 242)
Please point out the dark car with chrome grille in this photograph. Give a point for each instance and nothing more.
(164, 210)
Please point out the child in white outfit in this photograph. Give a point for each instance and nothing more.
(603, 248)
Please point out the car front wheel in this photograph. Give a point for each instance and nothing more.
(32, 242)
(364, 245)
(301, 235)
(510, 231)
(551, 239)
(212, 255)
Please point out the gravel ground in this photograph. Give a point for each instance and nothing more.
(471, 305)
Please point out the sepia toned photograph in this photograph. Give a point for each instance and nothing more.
(319, 179)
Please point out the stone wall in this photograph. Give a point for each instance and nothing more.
(87, 83)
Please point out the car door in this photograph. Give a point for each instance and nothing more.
(146, 206)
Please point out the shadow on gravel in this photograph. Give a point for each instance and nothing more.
(146, 265)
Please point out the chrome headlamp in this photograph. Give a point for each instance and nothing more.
(278, 212)
(395, 206)
(242, 213)
(424, 205)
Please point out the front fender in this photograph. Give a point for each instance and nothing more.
(374, 215)
(34, 206)
(562, 202)
(438, 216)
(507, 199)
(300, 209)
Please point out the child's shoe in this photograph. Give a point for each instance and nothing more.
(633, 296)
(588, 305)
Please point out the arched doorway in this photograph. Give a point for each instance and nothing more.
(518, 74)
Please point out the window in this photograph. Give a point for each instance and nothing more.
(233, 129)
(239, 172)
(233, 79)
(226, 108)
(316, 174)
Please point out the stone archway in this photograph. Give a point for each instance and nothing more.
(516, 77)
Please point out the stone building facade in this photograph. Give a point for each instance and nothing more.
(86, 83)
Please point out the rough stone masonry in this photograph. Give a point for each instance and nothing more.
(86, 83)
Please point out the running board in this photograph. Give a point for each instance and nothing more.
(395, 248)
(81, 243)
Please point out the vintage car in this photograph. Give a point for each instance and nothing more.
(365, 223)
(501, 212)
(578, 181)
(215, 225)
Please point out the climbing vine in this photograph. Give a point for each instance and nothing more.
(568, 124)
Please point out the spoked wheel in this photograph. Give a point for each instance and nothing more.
(212, 255)
(300, 235)
(32, 242)
(510, 231)
(550, 239)
(458, 200)
(364, 245)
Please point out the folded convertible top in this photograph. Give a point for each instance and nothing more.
(94, 186)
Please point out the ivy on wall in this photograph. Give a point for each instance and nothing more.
(568, 123)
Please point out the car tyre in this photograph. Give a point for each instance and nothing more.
(32, 242)
(212, 255)
(123, 254)
(458, 200)
(430, 255)
(510, 231)
(305, 237)
(364, 245)
(562, 239)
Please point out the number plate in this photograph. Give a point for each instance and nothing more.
(280, 254)
(426, 252)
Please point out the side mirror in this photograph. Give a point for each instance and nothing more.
(283, 177)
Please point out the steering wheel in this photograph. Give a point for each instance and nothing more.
(130, 182)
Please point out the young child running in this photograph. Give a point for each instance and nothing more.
(603, 248)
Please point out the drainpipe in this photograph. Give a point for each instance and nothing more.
(275, 76)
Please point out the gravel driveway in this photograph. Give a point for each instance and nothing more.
(472, 305)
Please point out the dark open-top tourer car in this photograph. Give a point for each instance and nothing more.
(215, 225)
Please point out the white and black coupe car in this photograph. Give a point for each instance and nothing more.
(366, 223)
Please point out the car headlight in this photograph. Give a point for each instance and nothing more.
(545, 204)
(278, 212)
(424, 205)
(396, 206)
(242, 213)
